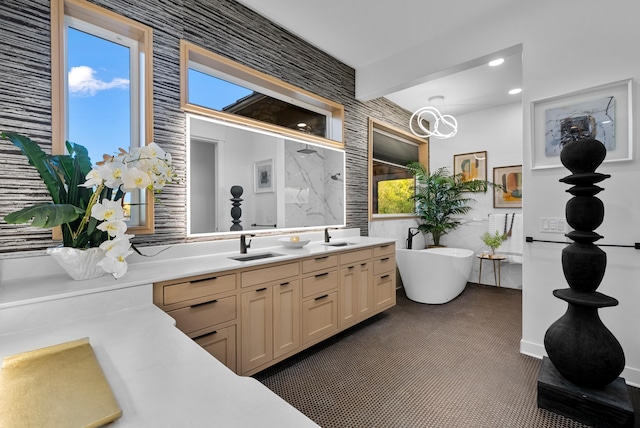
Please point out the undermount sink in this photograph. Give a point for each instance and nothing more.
(250, 257)
(338, 244)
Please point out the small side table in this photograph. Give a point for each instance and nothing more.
(496, 272)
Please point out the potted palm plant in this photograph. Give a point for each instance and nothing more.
(440, 199)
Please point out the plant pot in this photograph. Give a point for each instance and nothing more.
(80, 264)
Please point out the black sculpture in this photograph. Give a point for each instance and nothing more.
(236, 211)
(582, 382)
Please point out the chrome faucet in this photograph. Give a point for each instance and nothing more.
(243, 244)
(327, 237)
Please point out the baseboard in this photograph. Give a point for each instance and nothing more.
(536, 350)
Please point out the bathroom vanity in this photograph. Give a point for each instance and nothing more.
(248, 314)
(251, 318)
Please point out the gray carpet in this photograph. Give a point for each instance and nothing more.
(453, 365)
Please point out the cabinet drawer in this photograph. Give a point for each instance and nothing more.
(319, 317)
(204, 315)
(319, 263)
(268, 274)
(319, 283)
(384, 250)
(385, 264)
(355, 256)
(221, 344)
(197, 288)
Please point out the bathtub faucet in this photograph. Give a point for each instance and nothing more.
(410, 237)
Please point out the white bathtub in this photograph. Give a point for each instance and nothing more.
(434, 275)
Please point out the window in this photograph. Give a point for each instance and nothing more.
(217, 87)
(102, 80)
(391, 183)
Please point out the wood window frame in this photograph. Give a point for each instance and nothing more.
(423, 158)
(88, 12)
(190, 52)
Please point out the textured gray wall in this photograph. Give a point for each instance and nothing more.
(221, 26)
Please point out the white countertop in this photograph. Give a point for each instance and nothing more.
(159, 376)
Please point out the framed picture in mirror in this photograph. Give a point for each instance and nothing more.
(263, 176)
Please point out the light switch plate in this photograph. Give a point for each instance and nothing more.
(553, 225)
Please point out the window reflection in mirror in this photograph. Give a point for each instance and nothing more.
(209, 91)
(286, 183)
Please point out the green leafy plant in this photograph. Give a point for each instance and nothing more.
(439, 199)
(493, 241)
(88, 202)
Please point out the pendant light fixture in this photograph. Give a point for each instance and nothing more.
(442, 125)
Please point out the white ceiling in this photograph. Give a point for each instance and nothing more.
(362, 32)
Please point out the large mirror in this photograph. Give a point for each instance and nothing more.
(286, 184)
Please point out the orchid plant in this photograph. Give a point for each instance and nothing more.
(88, 202)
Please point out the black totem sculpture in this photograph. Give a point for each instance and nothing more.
(581, 348)
(236, 211)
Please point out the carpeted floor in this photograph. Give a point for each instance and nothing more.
(455, 365)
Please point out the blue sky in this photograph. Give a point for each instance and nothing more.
(99, 112)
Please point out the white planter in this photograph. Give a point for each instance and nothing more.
(80, 264)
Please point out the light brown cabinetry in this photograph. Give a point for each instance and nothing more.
(356, 287)
(205, 308)
(270, 315)
(319, 298)
(384, 277)
(251, 318)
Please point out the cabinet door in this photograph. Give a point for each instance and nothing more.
(286, 318)
(349, 283)
(319, 317)
(257, 328)
(221, 344)
(364, 303)
(384, 291)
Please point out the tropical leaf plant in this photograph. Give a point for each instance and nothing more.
(440, 199)
(63, 176)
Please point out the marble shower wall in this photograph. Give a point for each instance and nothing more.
(312, 197)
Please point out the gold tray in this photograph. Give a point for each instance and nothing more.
(57, 386)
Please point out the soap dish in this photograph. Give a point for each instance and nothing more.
(288, 243)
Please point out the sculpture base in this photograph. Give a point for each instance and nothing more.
(600, 408)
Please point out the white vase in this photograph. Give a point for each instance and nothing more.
(80, 264)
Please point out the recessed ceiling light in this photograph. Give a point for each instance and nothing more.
(301, 125)
(515, 91)
(496, 62)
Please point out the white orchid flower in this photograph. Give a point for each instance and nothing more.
(108, 210)
(117, 246)
(133, 178)
(93, 178)
(112, 173)
(116, 266)
(113, 228)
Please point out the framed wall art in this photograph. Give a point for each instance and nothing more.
(263, 176)
(509, 193)
(472, 166)
(603, 113)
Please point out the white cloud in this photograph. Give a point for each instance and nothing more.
(83, 82)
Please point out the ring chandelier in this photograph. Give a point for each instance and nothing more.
(431, 115)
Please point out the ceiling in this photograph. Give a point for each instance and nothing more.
(361, 32)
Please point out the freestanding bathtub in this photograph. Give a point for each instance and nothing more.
(434, 275)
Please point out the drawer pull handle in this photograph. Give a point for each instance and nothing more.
(204, 279)
(205, 335)
(384, 276)
(384, 246)
(385, 259)
(363, 264)
(350, 267)
(321, 258)
(322, 274)
(321, 297)
(203, 303)
(285, 283)
(261, 289)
